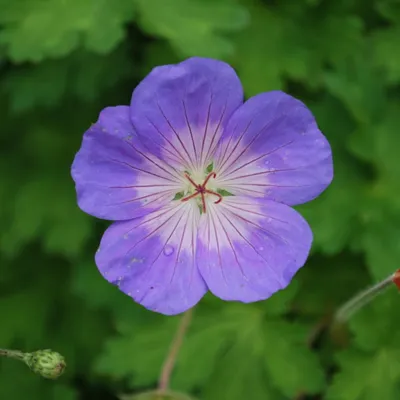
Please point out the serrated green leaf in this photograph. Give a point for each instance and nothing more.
(293, 368)
(385, 44)
(360, 87)
(47, 207)
(208, 335)
(193, 27)
(23, 317)
(88, 284)
(380, 236)
(213, 341)
(376, 325)
(29, 384)
(239, 375)
(333, 216)
(389, 9)
(82, 76)
(79, 336)
(54, 28)
(280, 302)
(384, 141)
(143, 367)
(321, 288)
(290, 40)
(366, 376)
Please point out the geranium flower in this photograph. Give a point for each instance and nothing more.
(200, 185)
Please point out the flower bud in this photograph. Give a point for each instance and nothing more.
(46, 363)
(396, 278)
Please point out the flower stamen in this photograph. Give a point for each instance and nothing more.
(210, 175)
(215, 194)
(202, 190)
(187, 176)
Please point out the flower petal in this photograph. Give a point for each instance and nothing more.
(152, 259)
(250, 248)
(114, 178)
(272, 147)
(180, 110)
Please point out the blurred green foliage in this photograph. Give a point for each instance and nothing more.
(62, 61)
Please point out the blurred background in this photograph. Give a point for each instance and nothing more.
(62, 61)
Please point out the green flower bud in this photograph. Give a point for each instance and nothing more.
(46, 363)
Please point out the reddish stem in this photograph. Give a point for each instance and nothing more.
(176, 344)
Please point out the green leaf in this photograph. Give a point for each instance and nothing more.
(290, 40)
(46, 206)
(333, 216)
(266, 347)
(390, 9)
(380, 240)
(371, 368)
(158, 53)
(293, 368)
(382, 141)
(321, 289)
(280, 303)
(367, 376)
(23, 315)
(87, 283)
(204, 330)
(385, 45)
(82, 75)
(385, 329)
(31, 32)
(360, 87)
(378, 202)
(79, 335)
(12, 371)
(193, 27)
(258, 58)
(147, 345)
(239, 375)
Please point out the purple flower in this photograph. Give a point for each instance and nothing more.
(201, 185)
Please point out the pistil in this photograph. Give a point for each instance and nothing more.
(202, 190)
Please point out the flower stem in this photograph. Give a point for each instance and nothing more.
(365, 297)
(169, 363)
(16, 354)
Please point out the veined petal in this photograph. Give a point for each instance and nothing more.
(250, 248)
(180, 110)
(152, 259)
(116, 179)
(272, 147)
